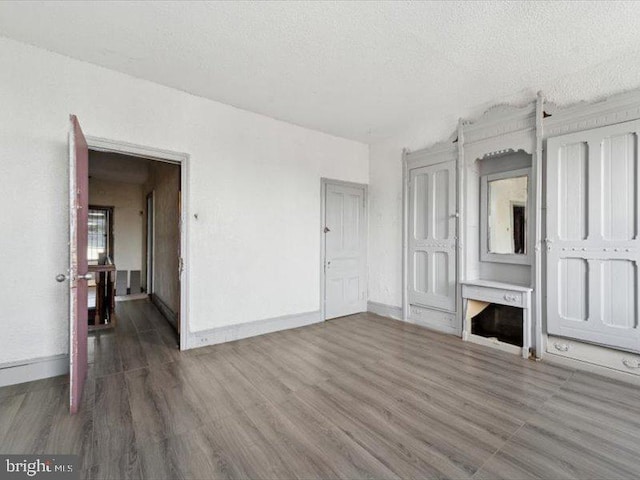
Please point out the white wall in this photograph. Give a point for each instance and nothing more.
(385, 166)
(164, 181)
(254, 183)
(385, 212)
(128, 222)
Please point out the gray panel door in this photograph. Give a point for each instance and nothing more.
(432, 236)
(345, 251)
(592, 235)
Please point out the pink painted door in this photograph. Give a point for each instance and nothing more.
(78, 265)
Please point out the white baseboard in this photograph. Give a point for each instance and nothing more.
(169, 314)
(230, 333)
(385, 310)
(437, 327)
(34, 369)
(586, 356)
(431, 323)
(591, 367)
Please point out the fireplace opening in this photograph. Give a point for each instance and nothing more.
(499, 321)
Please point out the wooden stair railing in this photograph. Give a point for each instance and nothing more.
(103, 314)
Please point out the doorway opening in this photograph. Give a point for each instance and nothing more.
(518, 227)
(80, 274)
(135, 236)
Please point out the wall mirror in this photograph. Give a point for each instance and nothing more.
(505, 207)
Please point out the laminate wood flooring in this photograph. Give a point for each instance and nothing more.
(356, 397)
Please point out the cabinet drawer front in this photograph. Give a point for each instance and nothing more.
(494, 295)
(594, 354)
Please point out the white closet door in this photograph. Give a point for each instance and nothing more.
(432, 236)
(592, 235)
(345, 251)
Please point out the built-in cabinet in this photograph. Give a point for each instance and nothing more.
(592, 235)
(534, 208)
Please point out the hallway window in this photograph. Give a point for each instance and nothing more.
(100, 234)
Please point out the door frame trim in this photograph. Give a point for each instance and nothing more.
(149, 239)
(167, 156)
(405, 235)
(323, 198)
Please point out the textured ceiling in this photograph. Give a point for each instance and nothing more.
(361, 70)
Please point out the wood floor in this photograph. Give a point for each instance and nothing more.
(356, 397)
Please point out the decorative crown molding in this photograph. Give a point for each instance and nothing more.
(622, 107)
(435, 153)
(500, 120)
(441, 146)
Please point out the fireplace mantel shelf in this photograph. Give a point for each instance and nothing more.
(492, 284)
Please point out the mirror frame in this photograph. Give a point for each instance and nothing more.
(514, 258)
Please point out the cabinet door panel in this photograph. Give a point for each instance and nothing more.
(432, 239)
(592, 235)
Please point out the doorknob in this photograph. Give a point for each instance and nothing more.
(86, 276)
(326, 229)
(61, 277)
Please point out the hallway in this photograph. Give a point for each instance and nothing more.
(142, 338)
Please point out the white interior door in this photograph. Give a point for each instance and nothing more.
(593, 217)
(345, 250)
(432, 236)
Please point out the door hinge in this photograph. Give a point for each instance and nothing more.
(181, 267)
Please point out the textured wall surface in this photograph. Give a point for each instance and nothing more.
(254, 183)
(126, 198)
(363, 70)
